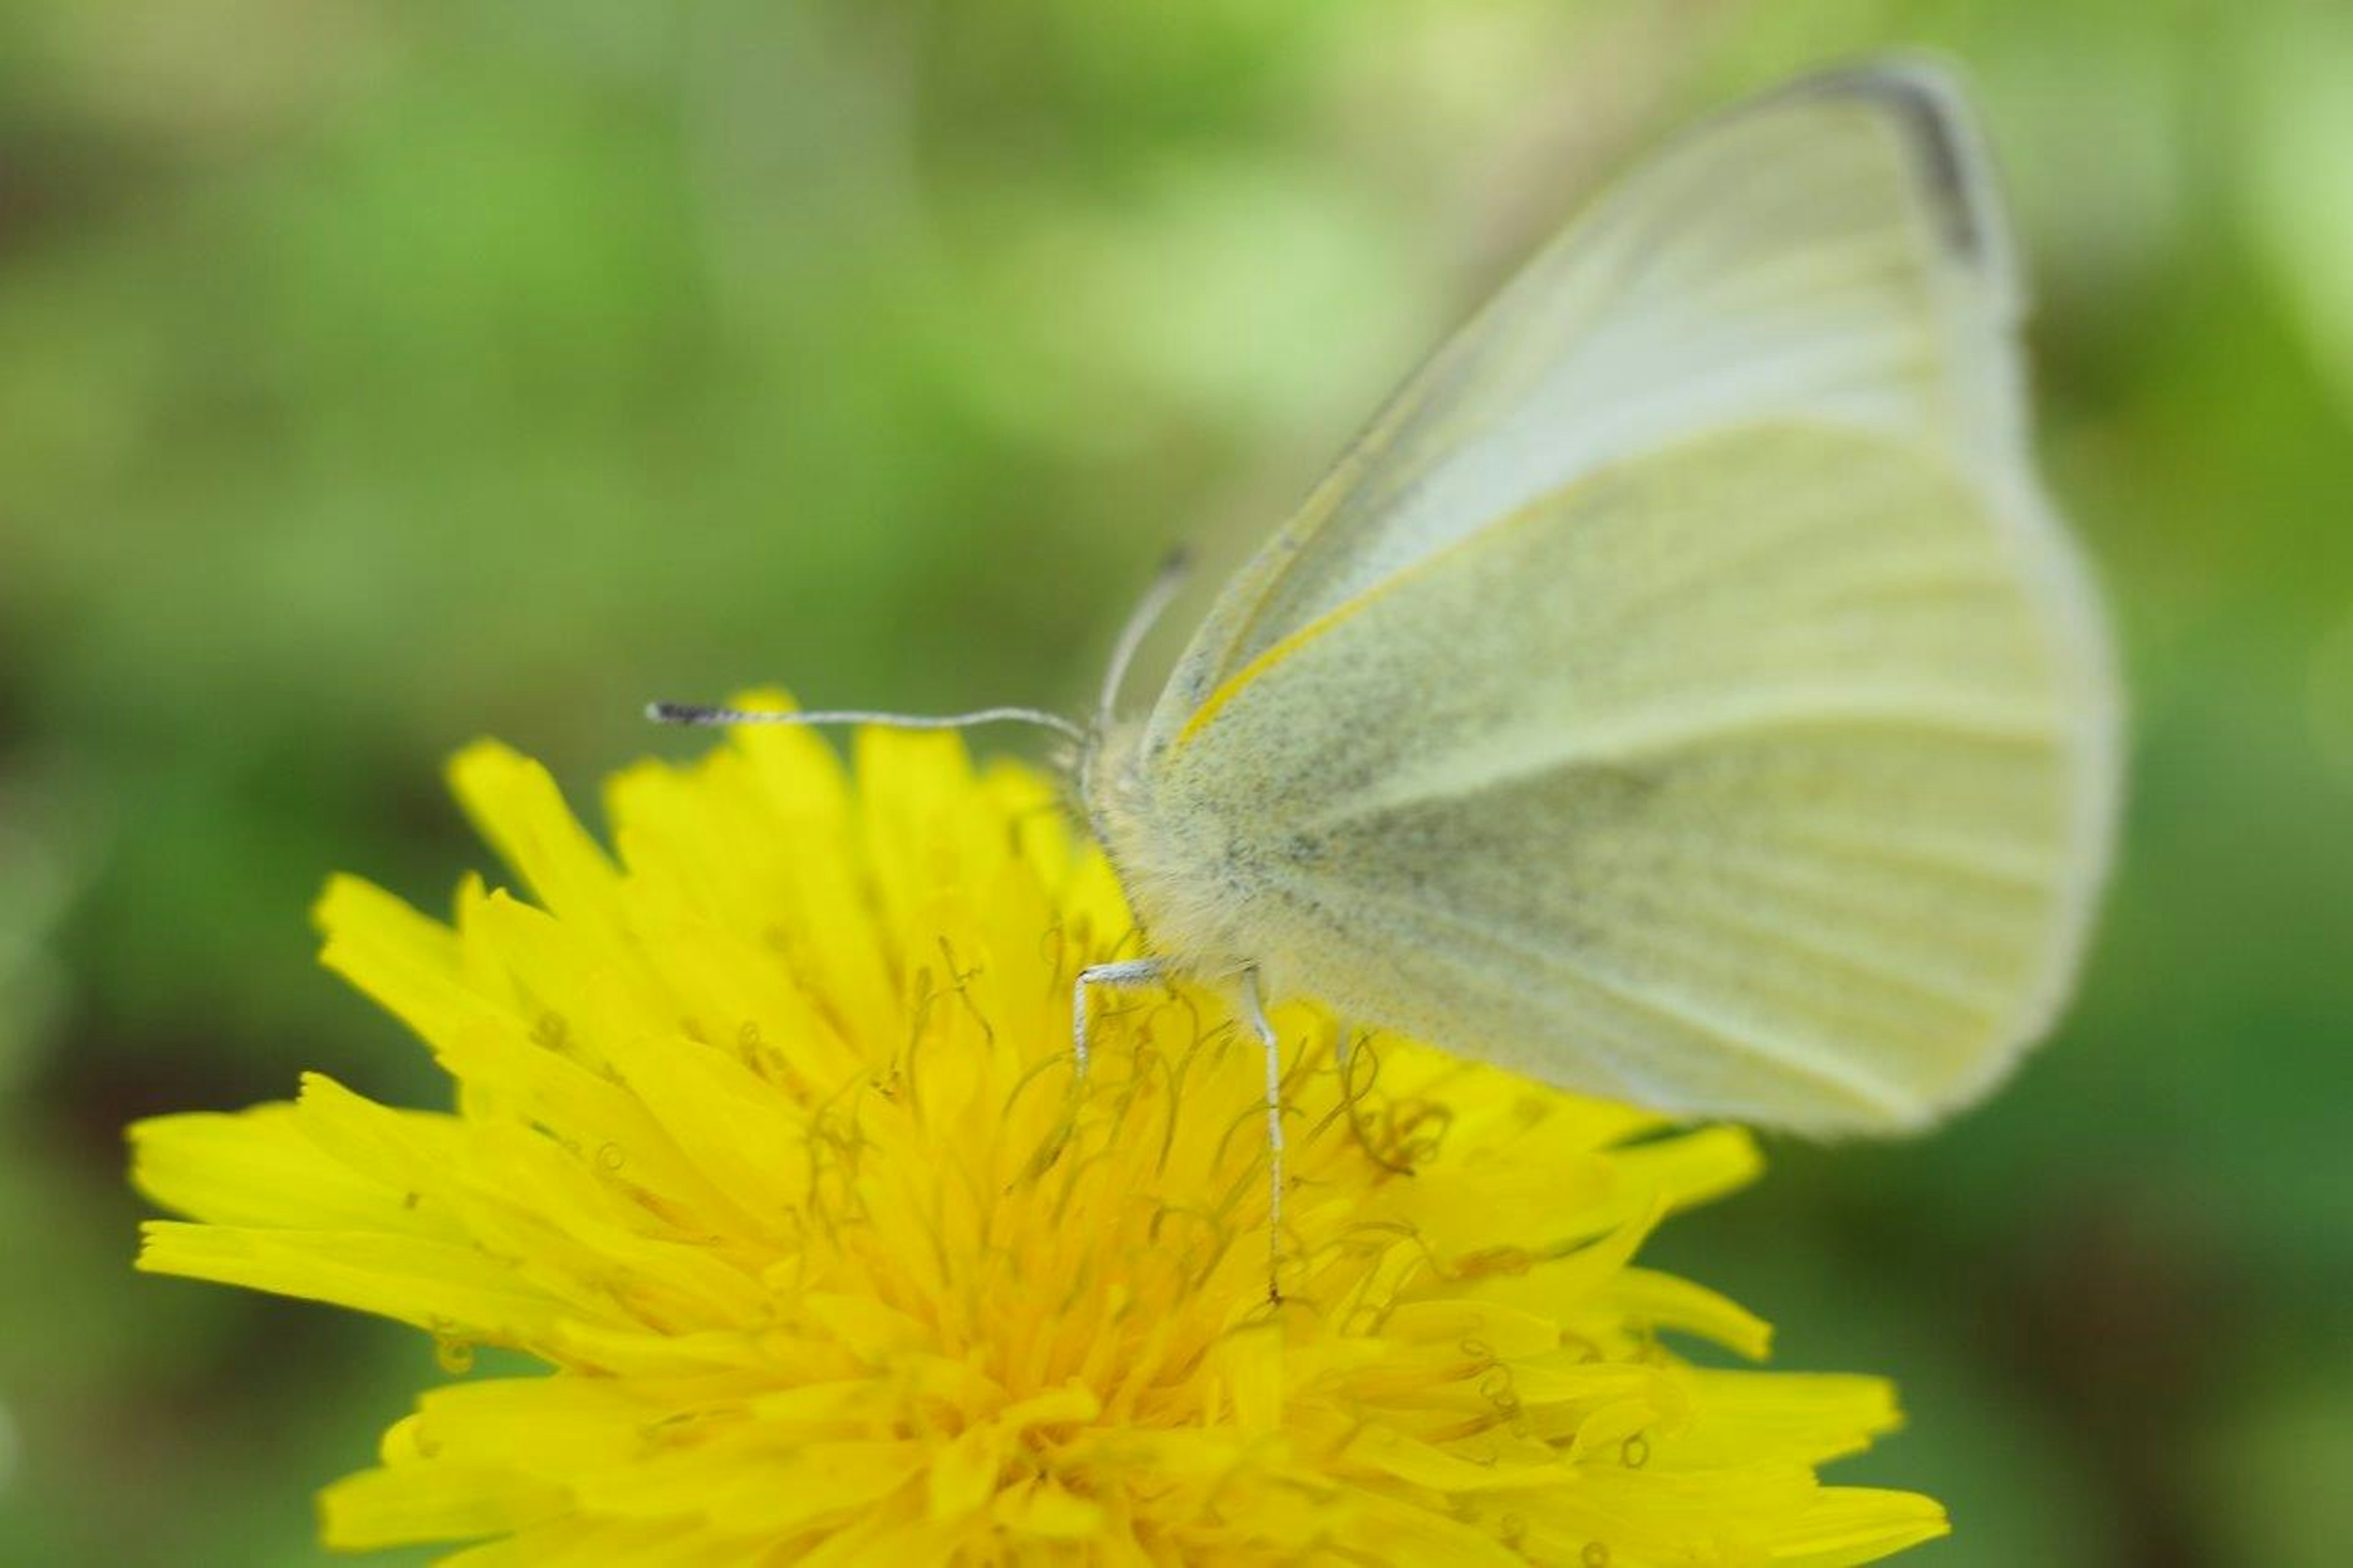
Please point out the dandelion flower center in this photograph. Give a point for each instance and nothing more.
(768, 1144)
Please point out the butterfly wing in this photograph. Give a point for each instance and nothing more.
(1833, 250)
(1681, 694)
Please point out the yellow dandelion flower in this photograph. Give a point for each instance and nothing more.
(767, 1143)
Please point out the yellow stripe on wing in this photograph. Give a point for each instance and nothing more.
(1231, 686)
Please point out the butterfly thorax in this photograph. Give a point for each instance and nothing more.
(1169, 860)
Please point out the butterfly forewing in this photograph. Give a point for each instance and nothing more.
(1829, 251)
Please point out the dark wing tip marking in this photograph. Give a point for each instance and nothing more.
(1925, 99)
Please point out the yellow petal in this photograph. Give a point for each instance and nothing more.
(1654, 1300)
(963, 1473)
(517, 808)
(1858, 1524)
(452, 1291)
(434, 1502)
(1800, 1417)
(258, 1167)
(410, 965)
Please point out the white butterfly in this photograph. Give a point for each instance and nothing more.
(1682, 691)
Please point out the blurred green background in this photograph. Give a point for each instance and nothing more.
(372, 376)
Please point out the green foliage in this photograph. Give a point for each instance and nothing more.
(372, 376)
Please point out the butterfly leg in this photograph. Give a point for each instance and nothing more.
(1129, 972)
(1253, 1008)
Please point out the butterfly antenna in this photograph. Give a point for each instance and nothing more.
(1165, 582)
(696, 713)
